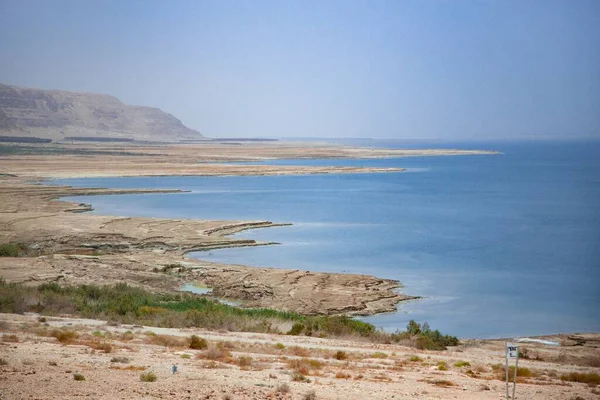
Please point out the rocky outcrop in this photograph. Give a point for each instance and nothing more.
(58, 115)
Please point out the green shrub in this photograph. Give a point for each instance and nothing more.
(148, 377)
(11, 250)
(460, 364)
(297, 329)
(442, 366)
(198, 343)
(279, 346)
(78, 377)
(124, 304)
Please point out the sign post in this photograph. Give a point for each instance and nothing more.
(512, 351)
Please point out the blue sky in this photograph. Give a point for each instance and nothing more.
(477, 69)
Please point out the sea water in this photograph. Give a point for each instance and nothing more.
(497, 245)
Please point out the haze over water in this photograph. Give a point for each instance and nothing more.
(498, 245)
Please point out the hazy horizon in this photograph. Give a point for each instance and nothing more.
(407, 70)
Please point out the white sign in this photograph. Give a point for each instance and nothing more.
(512, 350)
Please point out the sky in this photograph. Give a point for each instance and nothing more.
(423, 69)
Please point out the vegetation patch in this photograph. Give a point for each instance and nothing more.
(460, 364)
(590, 378)
(65, 336)
(123, 304)
(439, 382)
(13, 250)
(78, 377)
(148, 377)
(198, 343)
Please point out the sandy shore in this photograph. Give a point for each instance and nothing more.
(110, 358)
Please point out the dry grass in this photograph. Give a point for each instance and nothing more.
(283, 388)
(378, 355)
(591, 378)
(128, 368)
(415, 359)
(480, 368)
(104, 347)
(65, 336)
(342, 375)
(167, 341)
(10, 338)
(304, 365)
(439, 382)
(244, 361)
(311, 395)
(297, 376)
(215, 353)
(123, 360)
(300, 351)
(442, 366)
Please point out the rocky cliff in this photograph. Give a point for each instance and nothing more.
(58, 115)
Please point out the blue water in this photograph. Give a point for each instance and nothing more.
(499, 245)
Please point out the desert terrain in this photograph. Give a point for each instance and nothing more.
(64, 358)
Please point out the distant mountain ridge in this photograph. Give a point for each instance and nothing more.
(55, 114)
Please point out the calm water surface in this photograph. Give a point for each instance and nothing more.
(499, 245)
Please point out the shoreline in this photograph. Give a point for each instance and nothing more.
(74, 247)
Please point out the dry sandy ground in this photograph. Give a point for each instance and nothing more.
(260, 366)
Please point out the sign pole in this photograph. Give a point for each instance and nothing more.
(506, 356)
(511, 351)
(515, 380)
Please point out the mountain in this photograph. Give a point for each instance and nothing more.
(59, 115)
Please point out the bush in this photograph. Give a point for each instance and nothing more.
(582, 377)
(244, 361)
(124, 304)
(340, 355)
(198, 343)
(442, 366)
(379, 355)
(78, 377)
(11, 250)
(279, 346)
(64, 336)
(283, 388)
(299, 377)
(460, 364)
(123, 360)
(148, 377)
(216, 353)
(297, 329)
(311, 395)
